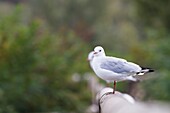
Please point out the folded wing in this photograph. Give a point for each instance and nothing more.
(119, 66)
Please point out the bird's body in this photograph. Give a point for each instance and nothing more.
(112, 69)
(90, 59)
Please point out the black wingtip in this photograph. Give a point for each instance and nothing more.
(150, 69)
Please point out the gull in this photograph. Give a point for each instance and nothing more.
(113, 69)
(90, 59)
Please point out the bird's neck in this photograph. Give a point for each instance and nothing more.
(96, 61)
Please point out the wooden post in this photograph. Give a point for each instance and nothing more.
(124, 103)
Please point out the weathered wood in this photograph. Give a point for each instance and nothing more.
(123, 103)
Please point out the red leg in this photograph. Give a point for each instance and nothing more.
(114, 87)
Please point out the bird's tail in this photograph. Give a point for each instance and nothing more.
(145, 70)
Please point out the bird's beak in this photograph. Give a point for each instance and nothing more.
(95, 53)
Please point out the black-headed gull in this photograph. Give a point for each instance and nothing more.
(112, 69)
(90, 59)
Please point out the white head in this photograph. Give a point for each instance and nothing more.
(90, 56)
(99, 51)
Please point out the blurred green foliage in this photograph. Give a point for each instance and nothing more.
(37, 65)
(154, 17)
(154, 13)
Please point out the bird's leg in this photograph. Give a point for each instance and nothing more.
(114, 87)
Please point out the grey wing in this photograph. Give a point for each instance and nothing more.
(120, 66)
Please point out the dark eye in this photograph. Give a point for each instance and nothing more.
(100, 50)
